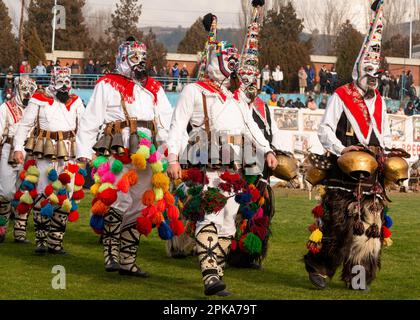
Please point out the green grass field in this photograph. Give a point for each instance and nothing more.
(23, 275)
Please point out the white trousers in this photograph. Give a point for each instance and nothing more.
(9, 176)
(130, 204)
(225, 219)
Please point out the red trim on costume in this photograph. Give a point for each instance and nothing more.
(14, 110)
(50, 100)
(153, 86)
(260, 107)
(120, 83)
(72, 100)
(355, 103)
(209, 86)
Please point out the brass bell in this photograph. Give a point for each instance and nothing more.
(396, 170)
(286, 168)
(117, 144)
(134, 143)
(62, 152)
(30, 145)
(39, 148)
(99, 146)
(11, 161)
(49, 149)
(314, 175)
(357, 164)
(72, 149)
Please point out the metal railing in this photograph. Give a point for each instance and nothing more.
(88, 81)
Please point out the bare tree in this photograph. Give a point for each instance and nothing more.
(98, 21)
(395, 13)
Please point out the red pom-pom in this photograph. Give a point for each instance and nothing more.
(48, 190)
(22, 175)
(234, 245)
(73, 168)
(241, 242)
(44, 202)
(169, 199)
(79, 180)
(148, 198)
(99, 208)
(255, 195)
(125, 159)
(64, 178)
(23, 208)
(33, 193)
(386, 232)
(18, 194)
(260, 231)
(108, 196)
(177, 227)
(28, 164)
(123, 185)
(73, 216)
(61, 198)
(161, 205)
(173, 213)
(78, 195)
(144, 225)
(318, 211)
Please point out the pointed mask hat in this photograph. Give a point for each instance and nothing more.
(210, 25)
(369, 59)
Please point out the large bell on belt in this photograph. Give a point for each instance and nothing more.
(49, 149)
(62, 152)
(102, 146)
(30, 145)
(39, 148)
(117, 144)
(357, 164)
(396, 170)
(134, 143)
(314, 175)
(11, 161)
(286, 168)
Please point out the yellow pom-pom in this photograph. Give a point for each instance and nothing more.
(261, 202)
(53, 198)
(158, 193)
(316, 236)
(387, 242)
(157, 167)
(97, 178)
(105, 186)
(66, 206)
(77, 188)
(26, 198)
(139, 161)
(57, 185)
(144, 151)
(161, 180)
(95, 188)
(33, 171)
(31, 179)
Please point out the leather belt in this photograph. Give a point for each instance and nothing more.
(140, 124)
(67, 135)
(9, 140)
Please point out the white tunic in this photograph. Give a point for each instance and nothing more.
(105, 107)
(335, 108)
(8, 120)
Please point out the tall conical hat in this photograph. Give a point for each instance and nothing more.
(210, 24)
(369, 59)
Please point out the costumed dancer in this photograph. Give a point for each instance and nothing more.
(220, 120)
(10, 114)
(51, 182)
(134, 113)
(351, 221)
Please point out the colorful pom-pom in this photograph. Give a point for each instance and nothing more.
(26, 198)
(386, 232)
(29, 163)
(57, 185)
(108, 177)
(117, 166)
(144, 226)
(33, 171)
(123, 185)
(139, 161)
(48, 190)
(316, 236)
(169, 199)
(148, 198)
(132, 177)
(252, 244)
(165, 232)
(108, 196)
(160, 180)
(157, 167)
(104, 168)
(99, 208)
(53, 198)
(78, 195)
(95, 188)
(177, 227)
(98, 161)
(32, 179)
(52, 175)
(146, 142)
(105, 186)
(79, 180)
(388, 222)
(23, 208)
(33, 194)
(97, 223)
(158, 193)
(26, 185)
(73, 216)
(47, 211)
(173, 213)
(318, 211)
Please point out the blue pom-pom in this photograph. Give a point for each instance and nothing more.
(26, 185)
(52, 175)
(97, 222)
(83, 172)
(165, 232)
(246, 212)
(15, 203)
(47, 211)
(62, 191)
(388, 222)
(243, 198)
(74, 206)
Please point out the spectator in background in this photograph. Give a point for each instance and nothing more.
(409, 110)
(40, 69)
(289, 104)
(310, 72)
(184, 74)
(97, 68)
(272, 102)
(400, 111)
(323, 78)
(323, 103)
(24, 67)
(310, 104)
(265, 75)
(175, 75)
(57, 63)
(298, 104)
(281, 103)
(334, 79)
(402, 84)
(75, 68)
(278, 78)
(385, 81)
(90, 68)
(302, 80)
(153, 72)
(392, 88)
(49, 67)
(163, 75)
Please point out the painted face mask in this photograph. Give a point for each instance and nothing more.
(60, 84)
(131, 60)
(366, 70)
(25, 87)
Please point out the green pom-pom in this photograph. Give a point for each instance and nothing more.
(3, 221)
(251, 179)
(252, 243)
(195, 190)
(180, 193)
(144, 136)
(98, 161)
(165, 165)
(117, 166)
(152, 149)
(254, 206)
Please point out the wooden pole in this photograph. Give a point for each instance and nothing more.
(21, 30)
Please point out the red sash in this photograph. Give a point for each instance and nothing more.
(355, 103)
(208, 85)
(260, 107)
(14, 110)
(50, 100)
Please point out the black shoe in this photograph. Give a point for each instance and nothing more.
(138, 273)
(255, 265)
(112, 266)
(24, 241)
(2, 238)
(224, 293)
(318, 280)
(41, 250)
(214, 287)
(57, 252)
